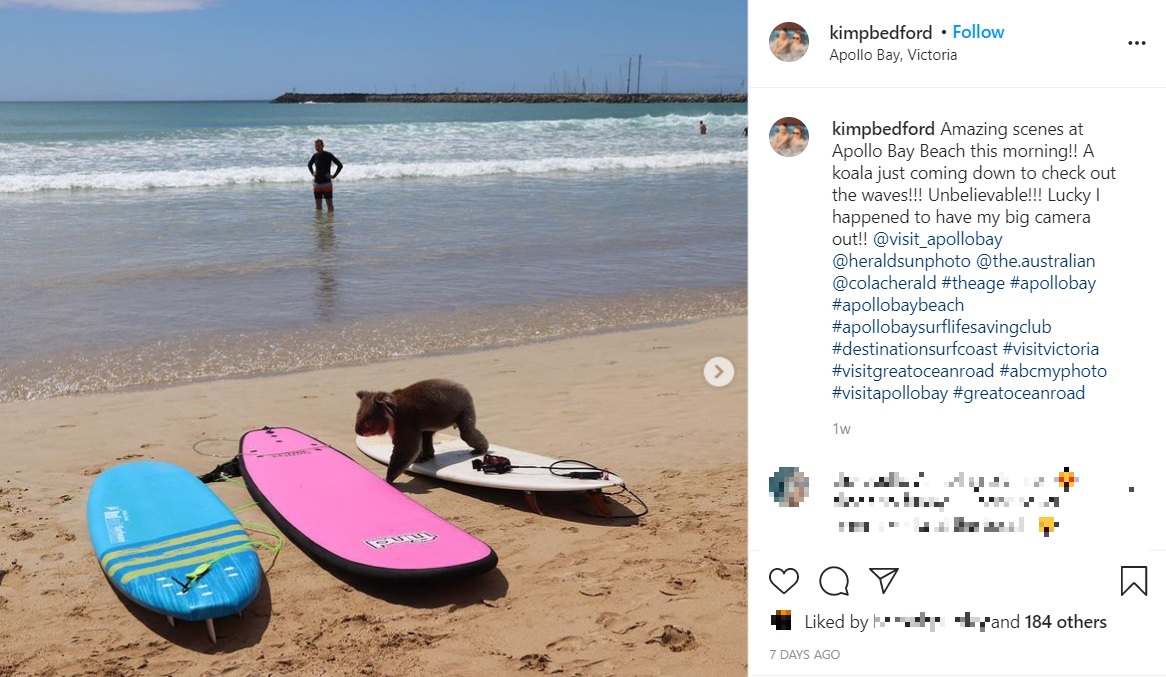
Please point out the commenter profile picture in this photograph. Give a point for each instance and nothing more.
(789, 486)
(789, 137)
(788, 41)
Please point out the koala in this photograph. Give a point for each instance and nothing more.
(412, 414)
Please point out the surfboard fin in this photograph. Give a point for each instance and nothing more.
(532, 502)
(599, 502)
(222, 472)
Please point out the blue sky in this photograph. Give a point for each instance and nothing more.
(116, 50)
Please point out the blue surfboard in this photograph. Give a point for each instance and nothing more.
(167, 542)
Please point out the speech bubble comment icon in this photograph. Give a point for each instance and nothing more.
(834, 581)
(783, 579)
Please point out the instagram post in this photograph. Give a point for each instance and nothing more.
(952, 458)
(389, 338)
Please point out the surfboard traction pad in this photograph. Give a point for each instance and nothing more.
(321, 554)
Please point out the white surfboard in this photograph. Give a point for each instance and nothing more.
(453, 461)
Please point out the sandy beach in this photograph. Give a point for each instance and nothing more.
(663, 594)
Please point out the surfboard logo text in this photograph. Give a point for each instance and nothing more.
(297, 452)
(115, 518)
(386, 541)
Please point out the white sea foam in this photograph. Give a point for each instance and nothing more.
(274, 154)
(128, 181)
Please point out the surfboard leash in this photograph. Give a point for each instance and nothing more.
(267, 531)
(623, 489)
(229, 472)
(499, 465)
(202, 569)
(581, 470)
(209, 440)
(223, 471)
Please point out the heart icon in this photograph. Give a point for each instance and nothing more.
(783, 579)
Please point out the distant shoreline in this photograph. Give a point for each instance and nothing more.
(495, 97)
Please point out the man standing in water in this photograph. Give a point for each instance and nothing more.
(321, 168)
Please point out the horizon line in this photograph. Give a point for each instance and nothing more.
(393, 94)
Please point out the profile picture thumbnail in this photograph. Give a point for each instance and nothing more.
(789, 486)
(788, 41)
(789, 137)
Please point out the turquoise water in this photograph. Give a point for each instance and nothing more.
(154, 243)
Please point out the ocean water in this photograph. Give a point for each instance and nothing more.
(145, 244)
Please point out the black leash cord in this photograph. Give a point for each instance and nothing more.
(590, 471)
(582, 471)
(622, 489)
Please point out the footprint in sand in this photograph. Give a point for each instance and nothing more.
(414, 640)
(534, 661)
(8, 506)
(13, 567)
(595, 590)
(20, 535)
(591, 587)
(678, 585)
(362, 619)
(676, 639)
(569, 643)
(731, 571)
(617, 623)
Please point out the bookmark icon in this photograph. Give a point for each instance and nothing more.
(885, 575)
(1135, 578)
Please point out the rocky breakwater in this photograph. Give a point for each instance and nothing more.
(479, 97)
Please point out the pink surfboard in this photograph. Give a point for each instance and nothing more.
(343, 514)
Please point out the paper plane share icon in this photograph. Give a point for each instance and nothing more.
(885, 576)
